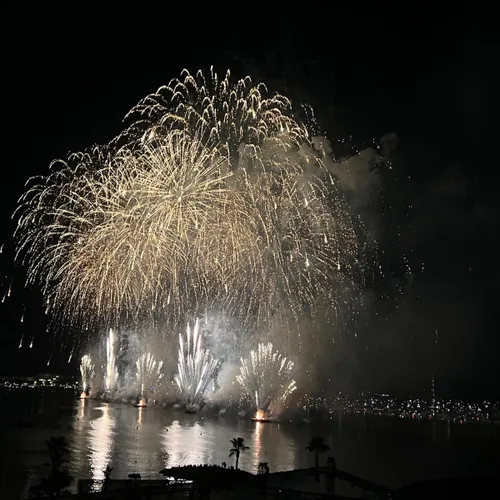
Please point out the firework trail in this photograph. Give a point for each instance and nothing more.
(111, 369)
(148, 373)
(86, 371)
(266, 376)
(197, 368)
(213, 196)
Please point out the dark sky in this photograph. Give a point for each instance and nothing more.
(68, 84)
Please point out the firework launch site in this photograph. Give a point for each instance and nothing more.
(218, 273)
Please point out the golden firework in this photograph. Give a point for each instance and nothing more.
(216, 198)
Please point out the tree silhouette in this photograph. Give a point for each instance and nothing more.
(56, 482)
(60, 477)
(238, 446)
(58, 452)
(317, 445)
(107, 477)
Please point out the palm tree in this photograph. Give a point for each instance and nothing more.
(107, 477)
(56, 482)
(59, 478)
(58, 452)
(238, 446)
(317, 445)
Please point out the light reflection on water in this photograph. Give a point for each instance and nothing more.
(150, 439)
(257, 446)
(100, 442)
(186, 444)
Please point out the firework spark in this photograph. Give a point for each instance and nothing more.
(197, 368)
(86, 371)
(266, 376)
(216, 197)
(149, 372)
(121, 240)
(295, 247)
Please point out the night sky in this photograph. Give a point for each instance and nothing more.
(434, 84)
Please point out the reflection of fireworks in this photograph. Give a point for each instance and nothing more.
(149, 372)
(218, 197)
(196, 368)
(266, 376)
(86, 371)
(111, 369)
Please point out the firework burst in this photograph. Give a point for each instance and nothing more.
(297, 248)
(240, 116)
(118, 242)
(266, 376)
(197, 368)
(216, 198)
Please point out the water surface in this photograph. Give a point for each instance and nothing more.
(150, 439)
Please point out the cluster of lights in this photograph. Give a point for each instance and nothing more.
(38, 382)
(414, 408)
(383, 405)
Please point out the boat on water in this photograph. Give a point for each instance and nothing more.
(142, 403)
(263, 417)
(263, 420)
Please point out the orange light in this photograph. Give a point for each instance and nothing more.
(260, 415)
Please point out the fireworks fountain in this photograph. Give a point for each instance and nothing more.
(148, 374)
(197, 368)
(111, 369)
(266, 377)
(86, 372)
